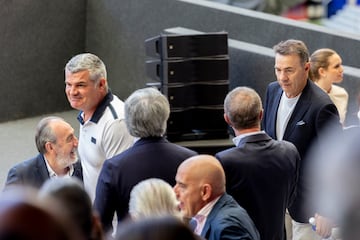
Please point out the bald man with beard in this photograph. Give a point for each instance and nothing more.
(200, 189)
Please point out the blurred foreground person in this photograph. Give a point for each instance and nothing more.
(22, 217)
(336, 179)
(74, 204)
(159, 228)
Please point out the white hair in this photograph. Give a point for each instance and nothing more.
(153, 197)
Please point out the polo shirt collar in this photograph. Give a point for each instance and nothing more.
(99, 110)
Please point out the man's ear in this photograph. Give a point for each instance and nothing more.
(48, 146)
(261, 114)
(227, 120)
(206, 192)
(102, 83)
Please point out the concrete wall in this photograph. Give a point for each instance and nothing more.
(39, 36)
(121, 28)
(36, 38)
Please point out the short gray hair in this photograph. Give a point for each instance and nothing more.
(153, 197)
(146, 113)
(44, 133)
(90, 62)
(243, 105)
(293, 47)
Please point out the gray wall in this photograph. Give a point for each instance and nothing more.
(36, 39)
(39, 36)
(123, 26)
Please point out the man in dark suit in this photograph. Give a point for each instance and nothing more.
(151, 156)
(57, 146)
(261, 173)
(200, 189)
(298, 111)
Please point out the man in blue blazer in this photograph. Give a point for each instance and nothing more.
(298, 111)
(261, 173)
(151, 156)
(57, 146)
(200, 189)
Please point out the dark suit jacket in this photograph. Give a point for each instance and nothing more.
(147, 158)
(313, 113)
(261, 175)
(34, 173)
(227, 220)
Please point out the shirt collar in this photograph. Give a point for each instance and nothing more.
(202, 215)
(208, 207)
(99, 110)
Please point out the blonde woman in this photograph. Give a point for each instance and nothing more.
(325, 70)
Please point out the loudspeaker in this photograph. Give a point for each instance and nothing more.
(192, 71)
(167, 46)
(197, 123)
(184, 71)
(194, 95)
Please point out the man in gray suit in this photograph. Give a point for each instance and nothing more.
(57, 146)
(261, 173)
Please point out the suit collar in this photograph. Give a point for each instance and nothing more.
(147, 140)
(255, 137)
(41, 171)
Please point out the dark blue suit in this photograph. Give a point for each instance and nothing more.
(34, 173)
(313, 113)
(147, 158)
(227, 220)
(261, 175)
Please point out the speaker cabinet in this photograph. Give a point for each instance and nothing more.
(167, 46)
(192, 71)
(187, 71)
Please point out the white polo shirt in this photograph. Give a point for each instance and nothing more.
(101, 137)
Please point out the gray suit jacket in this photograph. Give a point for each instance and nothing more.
(34, 173)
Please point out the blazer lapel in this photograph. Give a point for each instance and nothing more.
(41, 173)
(273, 111)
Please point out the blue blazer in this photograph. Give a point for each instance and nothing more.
(313, 113)
(33, 172)
(261, 175)
(147, 158)
(227, 220)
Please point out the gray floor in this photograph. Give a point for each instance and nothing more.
(17, 140)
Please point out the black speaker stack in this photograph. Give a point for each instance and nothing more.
(192, 70)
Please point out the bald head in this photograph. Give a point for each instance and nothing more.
(205, 169)
(199, 180)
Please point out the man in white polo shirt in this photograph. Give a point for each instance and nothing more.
(103, 133)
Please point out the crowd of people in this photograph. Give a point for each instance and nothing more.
(122, 179)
